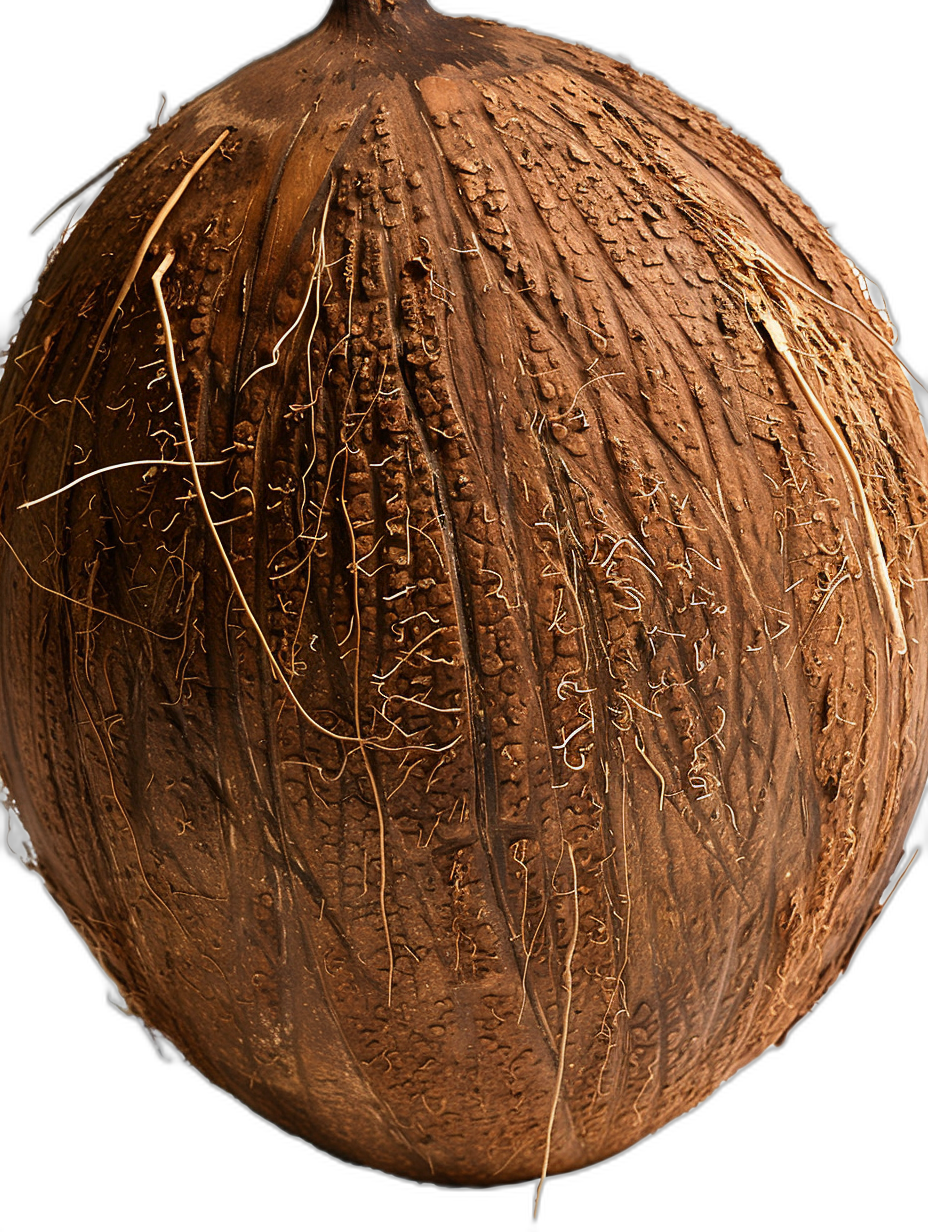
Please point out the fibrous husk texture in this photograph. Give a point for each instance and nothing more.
(536, 746)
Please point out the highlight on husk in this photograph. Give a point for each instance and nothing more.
(461, 669)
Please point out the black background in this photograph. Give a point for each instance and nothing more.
(97, 1132)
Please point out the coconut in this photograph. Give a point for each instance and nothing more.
(460, 660)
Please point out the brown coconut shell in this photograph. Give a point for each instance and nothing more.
(509, 726)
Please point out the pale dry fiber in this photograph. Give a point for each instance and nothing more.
(572, 456)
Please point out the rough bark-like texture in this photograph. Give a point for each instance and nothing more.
(602, 757)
